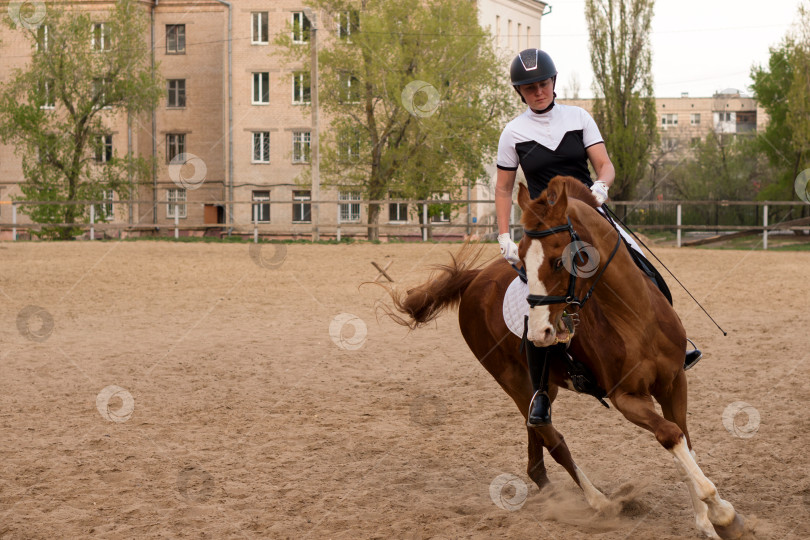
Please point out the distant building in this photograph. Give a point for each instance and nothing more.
(685, 120)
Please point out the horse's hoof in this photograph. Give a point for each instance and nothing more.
(732, 531)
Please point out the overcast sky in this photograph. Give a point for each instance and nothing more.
(698, 46)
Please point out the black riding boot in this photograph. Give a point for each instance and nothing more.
(540, 406)
(692, 357)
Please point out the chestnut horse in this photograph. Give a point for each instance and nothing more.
(628, 335)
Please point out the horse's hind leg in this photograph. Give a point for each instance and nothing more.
(555, 443)
(536, 468)
(640, 410)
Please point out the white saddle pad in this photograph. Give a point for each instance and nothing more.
(515, 306)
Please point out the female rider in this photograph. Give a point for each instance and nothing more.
(547, 140)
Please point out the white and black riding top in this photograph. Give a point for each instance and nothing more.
(549, 144)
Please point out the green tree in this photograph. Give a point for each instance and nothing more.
(782, 88)
(415, 94)
(722, 167)
(624, 108)
(84, 70)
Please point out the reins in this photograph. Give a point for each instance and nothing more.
(609, 212)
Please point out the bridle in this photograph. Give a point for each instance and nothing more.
(570, 297)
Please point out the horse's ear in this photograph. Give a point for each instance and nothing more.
(557, 196)
(524, 199)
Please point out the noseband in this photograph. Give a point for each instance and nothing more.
(570, 297)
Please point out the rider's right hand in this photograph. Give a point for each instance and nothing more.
(509, 249)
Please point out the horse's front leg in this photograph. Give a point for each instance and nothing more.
(701, 508)
(639, 409)
(720, 513)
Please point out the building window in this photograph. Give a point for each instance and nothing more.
(301, 206)
(669, 120)
(300, 88)
(104, 150)
(440, 213)
(349, 211)
(175, 145)
(300, 27)
(258, 33)
(105, 210)
(175, 39)
(261, 207)
(508, 33)
(349, 88)
(100, 87)
(42, 38)
(261, 147)
(348, 23)
(261, 88)
(301, 149)
(669, 144)
(694, 119)
(47, 94)
(498, 30)
(177, 203)
(177, 93)
(518, 35)
(397, 211)
(101, 37)
(349, 146)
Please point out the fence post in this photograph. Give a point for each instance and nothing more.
(678, 221)
(424, 222)
(765, 225)
(14, 222)
(92, 221)
(176, 221)
(337, 235)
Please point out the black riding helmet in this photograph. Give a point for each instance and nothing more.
(530, 66)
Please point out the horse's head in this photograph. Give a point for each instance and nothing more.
(549, 259)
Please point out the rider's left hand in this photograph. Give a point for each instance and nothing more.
(600, 191)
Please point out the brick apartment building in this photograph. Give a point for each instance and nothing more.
(267, 113)
(684, 120)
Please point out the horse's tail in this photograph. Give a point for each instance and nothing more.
(443, 289)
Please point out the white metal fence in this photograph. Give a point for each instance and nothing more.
(722, 217)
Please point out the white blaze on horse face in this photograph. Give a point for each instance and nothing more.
(541, 332)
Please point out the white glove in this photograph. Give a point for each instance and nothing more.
(600, 191)
(509, 249)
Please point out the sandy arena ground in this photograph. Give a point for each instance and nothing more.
(185, 390)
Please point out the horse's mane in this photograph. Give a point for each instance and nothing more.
(541, 205)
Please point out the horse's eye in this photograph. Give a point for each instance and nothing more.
(558, 264)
